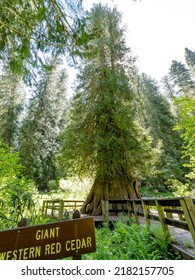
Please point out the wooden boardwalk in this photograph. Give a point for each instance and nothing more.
(176, 216)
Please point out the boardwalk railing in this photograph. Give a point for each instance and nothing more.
(177, 212)
(56, 208)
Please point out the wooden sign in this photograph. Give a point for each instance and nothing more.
(49, 241)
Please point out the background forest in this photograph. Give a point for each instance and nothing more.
(119, 133)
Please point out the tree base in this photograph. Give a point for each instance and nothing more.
(116, 189)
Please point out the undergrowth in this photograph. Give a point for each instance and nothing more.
(131, 242)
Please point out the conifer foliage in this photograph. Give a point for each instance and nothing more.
(28, 27)
(12, 101)
(102, 138)
(154, 114)
(42, 125)
(183, 77)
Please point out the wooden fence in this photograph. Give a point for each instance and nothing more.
(56, 208)
(177, 212)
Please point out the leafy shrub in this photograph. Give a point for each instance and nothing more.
(16, 192)
(180, 189)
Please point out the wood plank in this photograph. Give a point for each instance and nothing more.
(136, 201)
(184, 252)
(105, 211)
(187, 206)
(191, 209)
(162, 219)
(146, 212)
(154, 217)
(129, 209)
(61, 210)
(175, 211)
(162, 201)
(177, 223)
(135, 207)
(117, 201)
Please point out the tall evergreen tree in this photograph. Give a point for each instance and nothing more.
(187, 126)
(12, 101)
(41, 128)
(190, 59)
(154, 114)
(184, 80)
(102, 138)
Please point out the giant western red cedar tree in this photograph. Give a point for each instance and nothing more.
(102, 138)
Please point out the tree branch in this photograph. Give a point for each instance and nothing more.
(32, 38)
(58, 11)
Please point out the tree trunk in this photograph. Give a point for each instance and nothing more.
(102, 190)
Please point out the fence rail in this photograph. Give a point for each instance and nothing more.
(178, 212)
(56, 208)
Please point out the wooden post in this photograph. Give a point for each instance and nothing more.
(181, 218)
(129, 209)
(61, 210)
(43, 206)
(191, 208)
(24, 222)
(52, 208)
(168, 214)
(146, 212)
(76, 215)
(162, 219)
(105, 211)
(135, 208)
(189, 214)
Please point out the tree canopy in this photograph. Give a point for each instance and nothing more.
(32, 28)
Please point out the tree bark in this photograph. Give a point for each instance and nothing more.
(102, 190)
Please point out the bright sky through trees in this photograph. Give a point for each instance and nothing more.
(158, 31)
